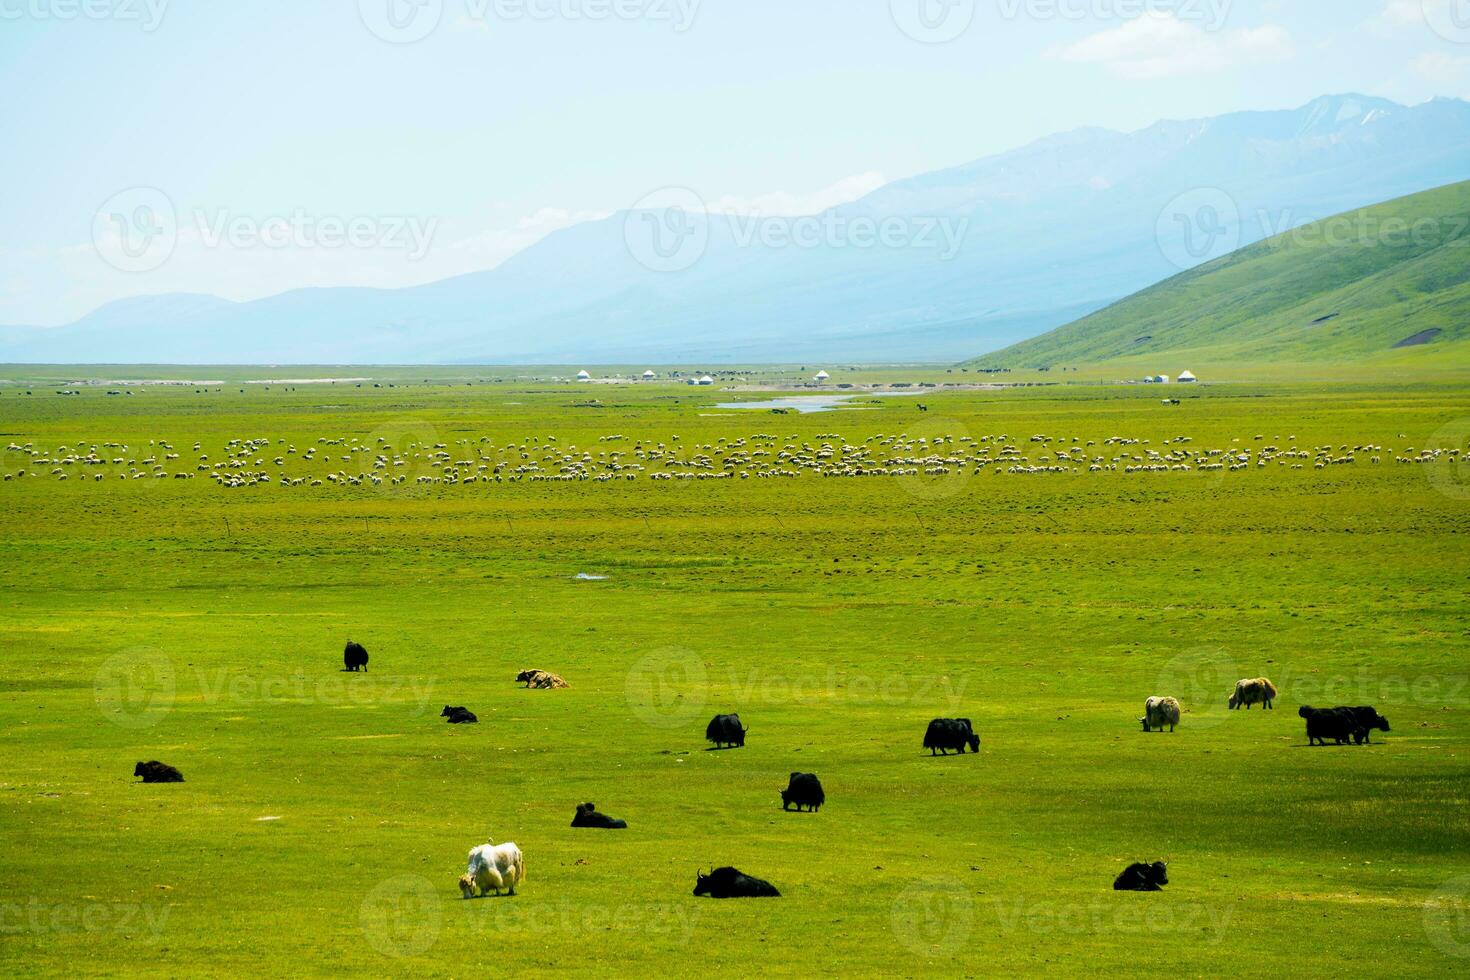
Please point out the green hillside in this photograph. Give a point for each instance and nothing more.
(1387, 285)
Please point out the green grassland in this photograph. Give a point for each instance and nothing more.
(1337, 294)
(182, 621)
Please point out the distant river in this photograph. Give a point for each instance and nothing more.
(807, 404)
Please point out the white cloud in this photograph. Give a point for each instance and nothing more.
(1404, 13)
(1441, 69)
(1160, 45)
(788, 205)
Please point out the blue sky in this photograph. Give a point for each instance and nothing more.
(260, 123)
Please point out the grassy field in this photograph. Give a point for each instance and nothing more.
(327, 815)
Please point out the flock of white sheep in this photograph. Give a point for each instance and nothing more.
(352, 462)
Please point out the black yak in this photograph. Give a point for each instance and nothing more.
(1338, 724)
(459, 716)
(804, 790)
(1369, 719)
(726, 731)
(354, 657)
(587, 816)
(951, 733)
(729, 883)
(157, 772)
(1142, 878)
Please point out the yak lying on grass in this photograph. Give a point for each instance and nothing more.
(587, 816)
(157, 772)
(726, 731)
(354, 657)
(729, 883)
(804, 790)
(945, 734)
(459, 716)
(541, 680)
(1142, 878)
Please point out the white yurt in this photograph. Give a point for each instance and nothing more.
(1161, 379)
(822, 376)
(1187, 377)
(706, 380)
(583, 376)
(649, 375)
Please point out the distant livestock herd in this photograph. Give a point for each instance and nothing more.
(496, 868)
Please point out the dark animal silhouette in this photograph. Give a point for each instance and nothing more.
(729, 883)
(1340, 725)
(157, 772)
(1369, 718)
(459, 716)
(804, 790)
(354, 657)
(1142, 878)
(726, 731)
(587, 816)
(945, 734)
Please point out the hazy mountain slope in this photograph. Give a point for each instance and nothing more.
(1354, 286)
(1046, 233)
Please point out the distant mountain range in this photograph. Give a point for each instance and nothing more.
(1043, 235)
(1386, 280)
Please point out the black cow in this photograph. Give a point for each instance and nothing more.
(729, 883)
(1142, 878)
(587, 816)
(459, 716)
(804, 790)
(951, 733)
(1341, 725)
(1369, 718)
(354, 657)
(157, 772)
(726, 731)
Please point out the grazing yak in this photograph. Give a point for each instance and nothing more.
(726, 732)
(1158, 712)
(157, 772)
(1253, 690)
(729, 883)
(541, 680)
(1142, 878)
(587, 816)
(944, 734)
(459, 716)
(493, 867)
(1369, 718)
(354, 657)
(1342, 724)
(804, 790)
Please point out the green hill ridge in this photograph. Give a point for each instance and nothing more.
(1387, 283)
